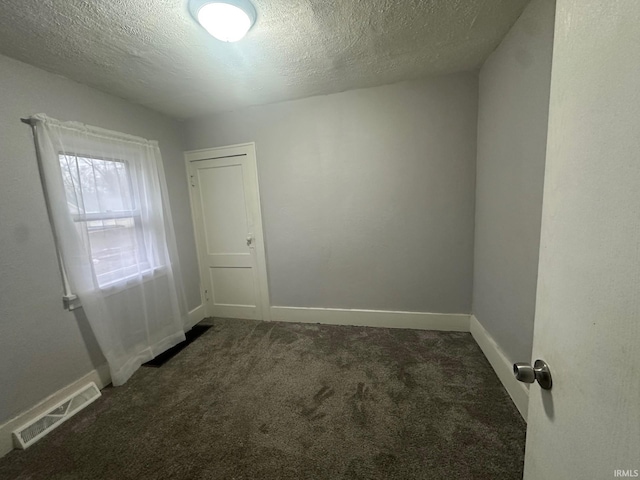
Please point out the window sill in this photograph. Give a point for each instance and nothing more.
(132, 281)
(72, 302)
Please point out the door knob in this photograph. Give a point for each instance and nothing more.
(525, 373)
(249, 240)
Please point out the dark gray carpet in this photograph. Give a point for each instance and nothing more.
(251, 400)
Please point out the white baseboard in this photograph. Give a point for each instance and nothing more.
(100, 376)
(518, 391)
(195, 316)
(452, 322)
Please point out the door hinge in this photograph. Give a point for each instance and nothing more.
(206, 295)
(193, 182)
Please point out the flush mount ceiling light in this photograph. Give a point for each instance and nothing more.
(226, 20)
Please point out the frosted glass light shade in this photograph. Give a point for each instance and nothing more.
(228, 21)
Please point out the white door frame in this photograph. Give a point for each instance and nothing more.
(248, 149)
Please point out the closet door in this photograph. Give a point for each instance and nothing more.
(226, 210)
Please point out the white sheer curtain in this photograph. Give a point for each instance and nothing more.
(109, 208)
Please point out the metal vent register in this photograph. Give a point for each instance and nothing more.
(37, 428)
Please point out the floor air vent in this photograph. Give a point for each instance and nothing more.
(37, 428)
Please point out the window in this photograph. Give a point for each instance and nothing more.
(106, 210)
(108, 206)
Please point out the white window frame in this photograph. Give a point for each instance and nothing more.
(119, 283)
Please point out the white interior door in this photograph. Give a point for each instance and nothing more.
(587, 325)
(226, 213)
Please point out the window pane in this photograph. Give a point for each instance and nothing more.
(100, 197)
(114, 249)
(95, 185)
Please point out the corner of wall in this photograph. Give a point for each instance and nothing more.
(518, 391)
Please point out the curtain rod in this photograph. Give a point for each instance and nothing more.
(69, 298)
(103, 133)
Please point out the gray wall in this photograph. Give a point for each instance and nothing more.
(512, 139)
(43, 347)
(367, 196)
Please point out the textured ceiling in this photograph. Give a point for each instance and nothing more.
(152, 52)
